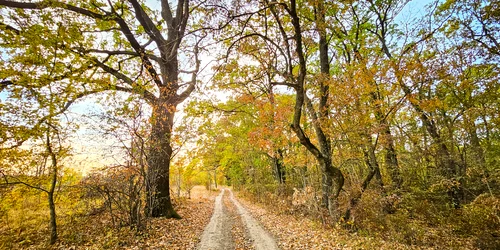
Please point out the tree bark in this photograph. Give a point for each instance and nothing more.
(333, 180)
(160, 153)
(279, 168)
(163, 74)
(50, 192)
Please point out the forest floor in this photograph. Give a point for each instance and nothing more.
(210, 220)
(81, 231)
(293, 231)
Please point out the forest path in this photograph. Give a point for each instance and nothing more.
(232, 227)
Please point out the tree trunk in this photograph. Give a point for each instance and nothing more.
(477, 150)
(450, 168)
(279, 168)
(215, 178)
(50, 192)
(391, 159)
(160, 153)
(374, 171)
(333, 181)
(133, 203)
(53, 223)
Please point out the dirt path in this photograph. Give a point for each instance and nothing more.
(228, 220)
(217, 234)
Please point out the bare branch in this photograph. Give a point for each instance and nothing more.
(288, 84)
(194, 75)
(4, 84)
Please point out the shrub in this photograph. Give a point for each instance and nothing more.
(481, 219)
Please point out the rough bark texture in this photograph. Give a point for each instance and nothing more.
(332, 178)
(160, 153)
(53, 222)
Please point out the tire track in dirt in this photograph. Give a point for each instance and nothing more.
(261, 238)
(217, 234)
(226, 231)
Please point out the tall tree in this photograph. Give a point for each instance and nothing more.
(282, 31)
(139, 55)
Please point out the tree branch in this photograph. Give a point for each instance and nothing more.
(4, 84)
(119, 52)
(52, 4)
(139, 49)
(288, 84)
(10, 28)
(149, 26)
(136, 88)
(181, 97)
(166, 13)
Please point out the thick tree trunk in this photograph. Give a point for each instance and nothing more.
(333, 181)
(160, 152)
